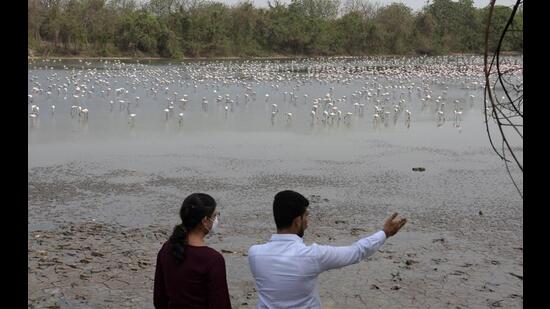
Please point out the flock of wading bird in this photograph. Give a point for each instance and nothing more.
(325, 93)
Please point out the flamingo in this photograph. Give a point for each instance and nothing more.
(35, 109)
(408, 118)
(180, 119)
(84, 114)
(273, 114)
(458, 115)
(376, 120)
(204, 104)
(440, 118)
(288, 118)
(131, 120)
(347, 118)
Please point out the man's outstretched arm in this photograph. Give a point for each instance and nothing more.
(330, 257)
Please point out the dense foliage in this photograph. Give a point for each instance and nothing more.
(198, 28)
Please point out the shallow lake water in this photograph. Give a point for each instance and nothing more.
(234, 138)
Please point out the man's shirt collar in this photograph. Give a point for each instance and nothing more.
(286, 237)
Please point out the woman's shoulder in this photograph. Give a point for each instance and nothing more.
(211, 252)
(204, 252)
(166, 246)
(207, 254)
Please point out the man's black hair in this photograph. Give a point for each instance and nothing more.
(288, 205)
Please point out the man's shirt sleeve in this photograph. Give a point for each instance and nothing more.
(330, 257)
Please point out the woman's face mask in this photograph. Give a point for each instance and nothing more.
(214, 228)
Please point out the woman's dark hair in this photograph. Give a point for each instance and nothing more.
(287, 206)
(193, 209)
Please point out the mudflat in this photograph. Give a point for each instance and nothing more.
(99, 213)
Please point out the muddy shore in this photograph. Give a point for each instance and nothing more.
(98, 218)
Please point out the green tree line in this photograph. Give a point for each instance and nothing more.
(199, 28)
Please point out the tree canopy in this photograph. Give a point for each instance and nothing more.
(200, 28)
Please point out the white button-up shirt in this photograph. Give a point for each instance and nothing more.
(286, 270)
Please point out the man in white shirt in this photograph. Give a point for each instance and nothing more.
(286, 270)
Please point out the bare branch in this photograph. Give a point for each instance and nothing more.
(506, 111)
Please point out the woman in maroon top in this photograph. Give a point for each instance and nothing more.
(189, 274)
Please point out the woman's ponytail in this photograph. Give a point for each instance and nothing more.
(179, 241)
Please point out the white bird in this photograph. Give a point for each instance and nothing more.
(35, 109)
(74, 110)
(273, 114)
(84, 114)
(288, 118)
(458, 115)
(131, 119)
(376, 120)
(407, 118)
(325, 117)
(361, 109)
(386, 118)
(180, 119)
(314, 108)
(440, 117)
(347, 118)
(183, 103)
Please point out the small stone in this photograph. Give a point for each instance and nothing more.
(410, 262)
